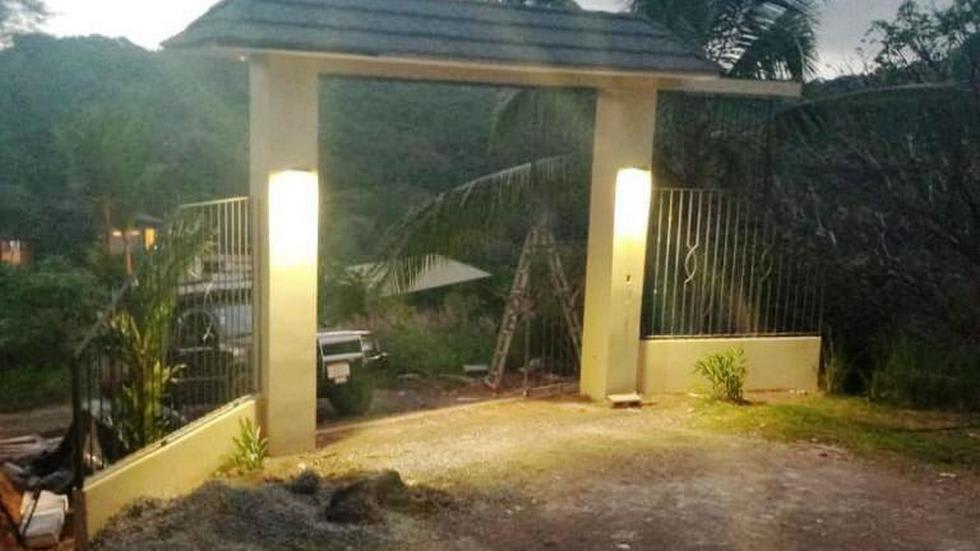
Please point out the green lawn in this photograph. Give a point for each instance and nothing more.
(23, 389)
(945, 439)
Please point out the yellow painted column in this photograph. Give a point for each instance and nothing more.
(624, 129)
(284, 185)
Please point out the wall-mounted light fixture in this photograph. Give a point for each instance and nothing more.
(293, 206)
(632, 215)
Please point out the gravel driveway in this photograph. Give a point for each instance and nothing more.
(568, 475)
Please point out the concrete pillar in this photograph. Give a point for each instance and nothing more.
(284, 137)
(624, 128)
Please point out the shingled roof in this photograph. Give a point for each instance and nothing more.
(447, 30)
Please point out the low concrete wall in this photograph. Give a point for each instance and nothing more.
(775, 363)
(167, 469)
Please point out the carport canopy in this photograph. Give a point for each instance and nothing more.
(289, 44)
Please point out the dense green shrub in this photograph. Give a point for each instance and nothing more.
(23, 388)
(433, 349)
(923, 374)
(725, 373)
(430, 339)
(44, 310)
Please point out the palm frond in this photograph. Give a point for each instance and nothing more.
(765, 39)
(544, 122)
(779, 44)
(456, 223)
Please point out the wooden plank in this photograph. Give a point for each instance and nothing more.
(10, 500)
(625, 400)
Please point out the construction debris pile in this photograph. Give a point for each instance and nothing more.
(33, 493)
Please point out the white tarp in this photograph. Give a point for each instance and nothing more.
(442, 272)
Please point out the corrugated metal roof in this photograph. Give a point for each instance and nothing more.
(447, 30)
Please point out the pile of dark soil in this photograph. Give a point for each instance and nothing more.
(366, 500)
(365, 511)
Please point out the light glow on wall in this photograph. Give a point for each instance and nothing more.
(632, 215)
(293, 212)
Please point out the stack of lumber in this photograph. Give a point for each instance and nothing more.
(10, 500)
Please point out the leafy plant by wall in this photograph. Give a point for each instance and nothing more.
(139, 336)
(836, 369)
(251, 448)
(725, 373)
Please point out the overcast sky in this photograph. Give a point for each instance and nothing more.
(147, 22)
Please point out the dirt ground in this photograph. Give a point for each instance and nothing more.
(51, 421)
(426, 393)
(559, 474)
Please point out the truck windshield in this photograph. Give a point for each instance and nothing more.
(341, 347)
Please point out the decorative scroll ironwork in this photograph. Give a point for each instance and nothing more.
(715, 268)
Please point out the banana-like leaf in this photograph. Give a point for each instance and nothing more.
(456, 223)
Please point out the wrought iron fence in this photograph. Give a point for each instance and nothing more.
(138, 378)
(717, 268)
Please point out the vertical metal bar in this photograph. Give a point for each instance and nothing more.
(722, 310)
(656, 300)
(704, 294)
(804, 298)
(78, 423)
(823, 290)
(743, 235)
(751, 294)
(245, 375)
(719, 215)
(780, 303)
(806, 282)
(734, 288)
(670, 226)
(677, 265)
(767, 299)
(685, 276)
(792, 286)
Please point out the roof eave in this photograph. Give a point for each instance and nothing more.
(709, 80)
(435, 68)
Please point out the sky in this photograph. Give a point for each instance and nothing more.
(147, 22)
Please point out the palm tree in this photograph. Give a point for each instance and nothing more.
(748, 38)
(457, 223)
(760, 39)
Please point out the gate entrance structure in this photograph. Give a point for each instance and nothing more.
(290, 44)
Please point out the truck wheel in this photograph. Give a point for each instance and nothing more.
(351, 398)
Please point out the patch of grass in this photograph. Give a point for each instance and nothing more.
(31, 388)
(866, 429)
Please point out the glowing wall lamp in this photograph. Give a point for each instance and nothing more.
(288, 312)
(293, 207)
(632, 214)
